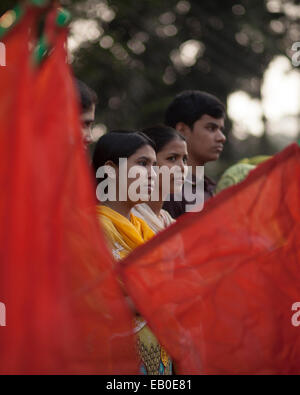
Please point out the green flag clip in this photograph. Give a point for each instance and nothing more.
(63, 17)
(12, 17)
(41, 50)
(43, 46)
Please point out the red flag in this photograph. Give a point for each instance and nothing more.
(218, 287)
(65, 310)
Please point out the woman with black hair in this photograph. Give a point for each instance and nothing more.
(136, 151)
(171, 153)
(118, 157)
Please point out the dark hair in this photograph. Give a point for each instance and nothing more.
(190, 106)
(162, 135)
(123, 131)
(86, 95)
(115, 145)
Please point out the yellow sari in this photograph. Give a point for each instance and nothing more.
(123, 236)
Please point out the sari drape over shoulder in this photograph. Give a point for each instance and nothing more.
(156, 223)
(123, 236)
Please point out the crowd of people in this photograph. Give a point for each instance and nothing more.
(192, 135)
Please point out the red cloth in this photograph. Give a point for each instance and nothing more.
(65, 310)
(217, 288)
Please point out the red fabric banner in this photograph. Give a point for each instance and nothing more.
(217, 288)
(65, 312)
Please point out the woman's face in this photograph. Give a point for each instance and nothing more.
(140, 175)
(174, 154)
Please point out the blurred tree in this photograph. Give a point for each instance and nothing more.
(139, 54)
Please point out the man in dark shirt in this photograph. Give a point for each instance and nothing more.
(199, 117)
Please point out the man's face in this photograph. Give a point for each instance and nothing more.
(206, 139)
(87, 121)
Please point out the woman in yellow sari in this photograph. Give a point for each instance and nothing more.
(118, 159)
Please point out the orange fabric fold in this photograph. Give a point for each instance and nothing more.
(123, 235)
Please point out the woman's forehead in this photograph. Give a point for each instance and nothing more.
(175, 145)
(144, 151)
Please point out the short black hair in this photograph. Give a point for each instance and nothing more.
(162, 135)
(189, 106)
(87, 96)
(115, 145)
